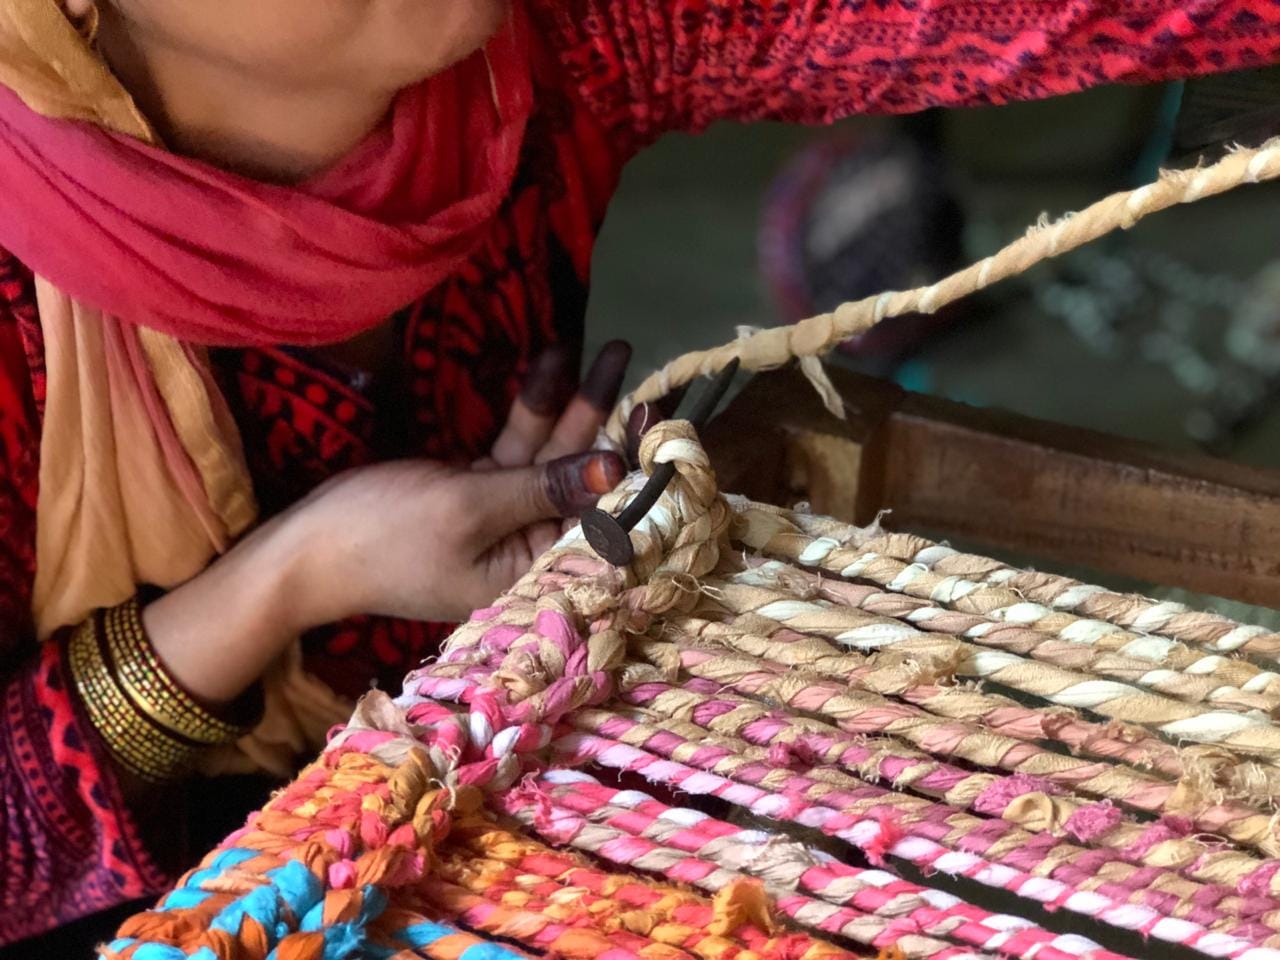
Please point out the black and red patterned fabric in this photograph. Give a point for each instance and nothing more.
(612, 76)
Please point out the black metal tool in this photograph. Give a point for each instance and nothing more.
(609, 535)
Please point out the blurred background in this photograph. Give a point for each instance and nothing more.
(1170, 333)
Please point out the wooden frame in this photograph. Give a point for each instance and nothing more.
(1050, 492)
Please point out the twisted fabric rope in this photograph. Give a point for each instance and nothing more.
(1007, 622)
(756, 684)
(841, 549)
(1187, 798)
(534, 809)
(809, 621)
(904, 564)
(1130, 745)
(920, 568)
(687, 845)
(312, 869)
(792, 739)
(1148, 619)
(764, 349)
(632, 744)
(493, 862)
(837, 804)
(926, 722)
(915, 567)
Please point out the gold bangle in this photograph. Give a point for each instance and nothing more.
(149, 685)
(142, 746)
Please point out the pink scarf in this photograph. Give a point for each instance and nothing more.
(142, 257)
(214, 258)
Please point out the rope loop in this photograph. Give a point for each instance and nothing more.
(691, 520)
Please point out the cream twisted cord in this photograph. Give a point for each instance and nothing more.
(816, 336)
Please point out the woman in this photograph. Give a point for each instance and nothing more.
(369, 223)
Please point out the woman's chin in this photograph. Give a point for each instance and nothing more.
(423, 37)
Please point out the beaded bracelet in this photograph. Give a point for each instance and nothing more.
(150, 724)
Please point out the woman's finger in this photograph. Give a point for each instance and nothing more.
(550, 384)
(541, 537)
(505, 501)
(508, 560)
(582, 419)
(574, 483)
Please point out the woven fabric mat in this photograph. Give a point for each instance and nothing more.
(775, 735)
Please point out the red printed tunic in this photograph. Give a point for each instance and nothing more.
(612, 76)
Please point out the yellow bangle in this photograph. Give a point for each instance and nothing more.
(142, 746)
(149, 685)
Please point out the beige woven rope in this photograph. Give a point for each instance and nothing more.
(816, 336)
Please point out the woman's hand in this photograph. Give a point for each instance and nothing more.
(415, 539)
(427, 541)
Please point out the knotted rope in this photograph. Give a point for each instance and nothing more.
(510, 678)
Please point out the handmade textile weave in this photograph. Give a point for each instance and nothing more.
(775, 735)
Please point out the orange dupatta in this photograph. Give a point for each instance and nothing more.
(142, 479)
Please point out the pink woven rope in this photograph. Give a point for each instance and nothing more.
(638, 813)
(501, 640)
(569, 806)
(878, 715)
(855, 920)
(894, 765)
(988, 842)
(501, 736)
(1134, 747)
(1210, 904)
